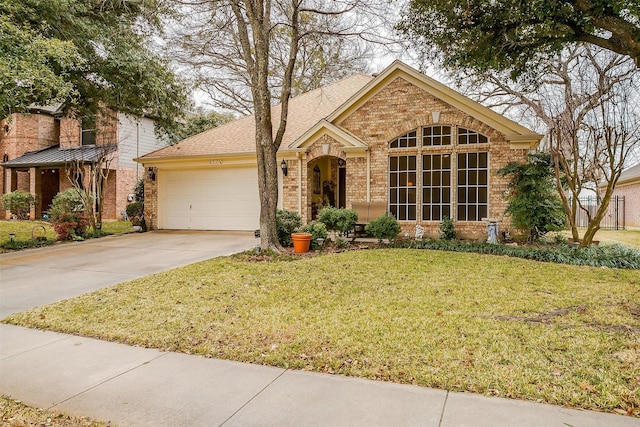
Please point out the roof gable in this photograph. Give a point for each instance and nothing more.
(322, 128)
(518, 135)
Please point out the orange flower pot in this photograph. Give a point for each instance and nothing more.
(301, 242)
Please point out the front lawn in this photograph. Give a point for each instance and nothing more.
(25, 230)
(508, 327)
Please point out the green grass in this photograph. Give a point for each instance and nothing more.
(24, 230)
(629, 238)
(514, 328)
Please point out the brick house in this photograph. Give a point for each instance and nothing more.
(628, 186)
(400, 140)
(42, 149)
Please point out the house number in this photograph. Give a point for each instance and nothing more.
(215, 162)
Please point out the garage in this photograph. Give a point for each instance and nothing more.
(209, 199)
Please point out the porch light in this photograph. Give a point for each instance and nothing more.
(283, 166)
(435, 116)
(151, 174)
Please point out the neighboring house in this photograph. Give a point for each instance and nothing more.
(628, 186)
(43, 150)
(399, 140)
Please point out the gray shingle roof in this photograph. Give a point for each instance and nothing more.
(55, 156)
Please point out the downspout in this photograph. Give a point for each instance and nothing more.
(368, 175)
(299, 183)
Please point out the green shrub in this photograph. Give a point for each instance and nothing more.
(287, 222)
(534, 203)
(138, 191)
(612, 256)
(18, 203)
(317, 230)
(384, 227)
(341, 220)
(447, 229)
(67, 216)
(135, 210)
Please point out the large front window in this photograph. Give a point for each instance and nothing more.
(451, 182)
(402, 187)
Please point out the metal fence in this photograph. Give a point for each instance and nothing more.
(612, 220)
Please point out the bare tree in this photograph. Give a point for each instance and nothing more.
(584, 102)
(87, 169)
(251, 48)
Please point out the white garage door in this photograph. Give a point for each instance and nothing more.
(206, 199)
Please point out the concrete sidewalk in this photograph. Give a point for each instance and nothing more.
(133, 386)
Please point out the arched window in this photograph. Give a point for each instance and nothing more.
(405, 141)
(433, 136)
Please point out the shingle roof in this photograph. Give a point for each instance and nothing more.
(630, 174)
(238, 137)
(55, 156)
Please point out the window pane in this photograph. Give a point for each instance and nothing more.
(482, 177)
(473, 195)
(482, 160)
(435, 213)
(462, 213)
(412, 179)
(402, 181)
(446, 211)
(435, 195)
(473, 177)
(482, 195)
(482, 212)
(403, 163)
(426, 196)
(426, 178)
(411, 216)
(462, 195)
(462, 161)
(393, 195)
(393, 163)
(412, 162)
(462, 177)
(473, 160)
(437, 163)
(471, 213)
(446, 178)
(411, 194)
(446, 161)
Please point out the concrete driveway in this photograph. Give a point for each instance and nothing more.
(35, 277)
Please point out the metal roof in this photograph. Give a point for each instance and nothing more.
(56, 156)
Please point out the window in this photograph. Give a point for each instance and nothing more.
(436, 135)
(88, 137)
(405, 141)
(436, 186)
(466, 136)
(402, 187)
(473, 186)
(435, 179)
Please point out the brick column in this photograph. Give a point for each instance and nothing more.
(35, 187)
(9, 179)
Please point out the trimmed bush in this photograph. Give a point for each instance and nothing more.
(18, 203)
(317, 230)
(341, 220)
(287, 222)
(384, 227)
(67, 215)
(447, 229)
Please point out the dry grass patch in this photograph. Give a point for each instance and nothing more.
(14, 413)
(508, 327)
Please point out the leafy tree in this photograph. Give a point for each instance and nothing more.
(534, 204)
(84, 55)
(196, 123)
(513, 34)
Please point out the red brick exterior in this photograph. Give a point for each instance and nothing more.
(23, 133)
(398, 108)
(631, 193)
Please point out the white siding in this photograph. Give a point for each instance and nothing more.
(136, 137)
